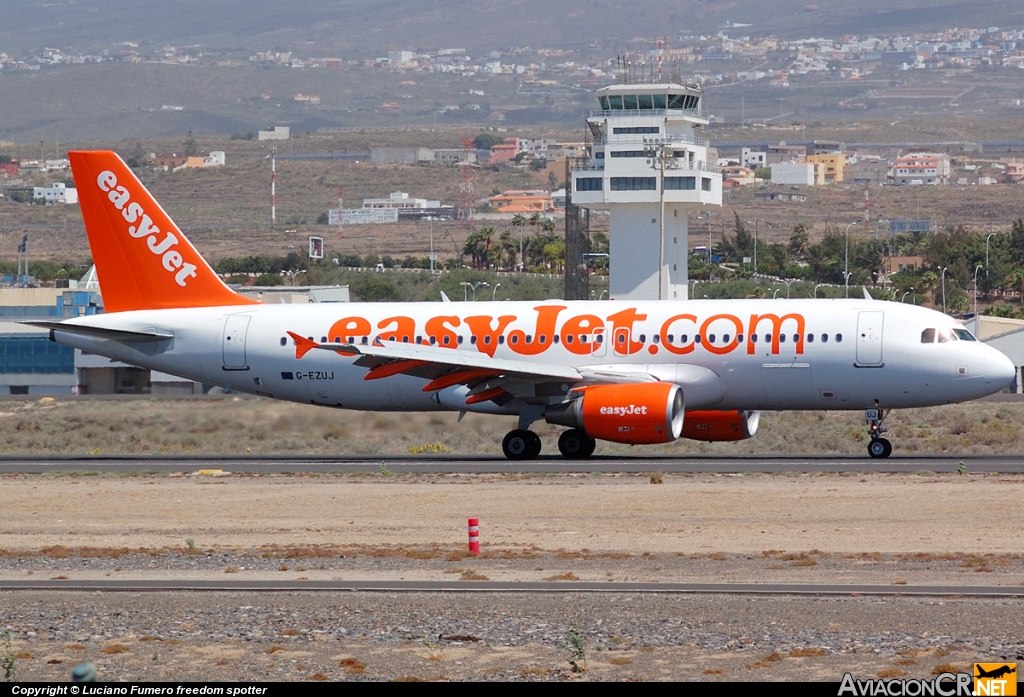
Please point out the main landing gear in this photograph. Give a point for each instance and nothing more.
(521, 444)
(575, 444)
(878, 448)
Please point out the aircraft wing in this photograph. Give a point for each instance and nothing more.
(487, 377)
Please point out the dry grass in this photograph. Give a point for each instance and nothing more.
(258, 426)
(945, 668)
(567, 576)
(352, 666)
(470, 575)
(115, 648)
(807, 653)
(891, 673)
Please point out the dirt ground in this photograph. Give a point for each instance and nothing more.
(899, 530)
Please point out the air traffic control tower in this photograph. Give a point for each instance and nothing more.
(649, 169)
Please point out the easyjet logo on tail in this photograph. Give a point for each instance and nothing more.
(160, 244)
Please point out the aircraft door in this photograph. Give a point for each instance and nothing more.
(869, 338)
(235, 329)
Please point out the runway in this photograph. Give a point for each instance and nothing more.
(456, 464)
(778, 589)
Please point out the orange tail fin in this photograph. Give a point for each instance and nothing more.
(143, 261)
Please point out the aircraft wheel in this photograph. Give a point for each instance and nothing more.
(535, 445)
(575, 444)
(880, 448)
(521, 444)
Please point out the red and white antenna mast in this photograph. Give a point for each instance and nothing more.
(273, 186)
(661, 45)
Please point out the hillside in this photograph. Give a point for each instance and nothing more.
(364, 28)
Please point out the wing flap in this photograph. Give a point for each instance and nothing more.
(420, 355)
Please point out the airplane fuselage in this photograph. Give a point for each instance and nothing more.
(727, 354)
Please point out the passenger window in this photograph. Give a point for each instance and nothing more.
(529, 339)
(643, 338)
(405, 339)
(568, 338)
(433, 340)
(753, 338)
(501, 339)
(810, 338)
(796, 338)
(513, 339)
(656, 339)
(284, 341)
(543, 339)
(682, 339)
(323, 340)
(447, 339)
(824, 338)
(554, 339)
(487, 339)
(767, 338)
(711, 338)
(739, 338)
(459, 339)
(472, 339)
(668, 338)
(839, 337)
(725, 338)
(696, 339)
(782, 338)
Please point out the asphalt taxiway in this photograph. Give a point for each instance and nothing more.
(455, 464)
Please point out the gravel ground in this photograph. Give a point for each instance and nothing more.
(485, 636)
(879, 529)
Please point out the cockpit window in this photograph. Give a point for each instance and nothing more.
(928, 336)
(964, 335)
(946, 335)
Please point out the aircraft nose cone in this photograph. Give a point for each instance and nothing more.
(1000, 370)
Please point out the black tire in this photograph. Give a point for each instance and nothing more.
(879, 448)
(535, 445)
(575, 444)
(519, 444)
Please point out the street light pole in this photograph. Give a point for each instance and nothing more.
(494, 292)
(846, 266)
(986, 252)
(944, 289)
(976, 298)
(659, 155)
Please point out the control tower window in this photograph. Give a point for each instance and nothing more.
(629, 101)
(604, 102)
(636, 130)
(680, 183)
(646, 101)
(615, 101)
(660, 100)
(589, 184)
(634, 183)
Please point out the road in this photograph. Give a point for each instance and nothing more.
(1005, 464)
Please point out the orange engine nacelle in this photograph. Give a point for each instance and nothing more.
(721, 425)
(637, 414)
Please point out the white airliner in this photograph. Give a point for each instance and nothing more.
(628, 372)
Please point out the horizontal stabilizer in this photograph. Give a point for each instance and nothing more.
(120, 335)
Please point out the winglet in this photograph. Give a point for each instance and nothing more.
(302, 344)
(867, 295)
(445, 298)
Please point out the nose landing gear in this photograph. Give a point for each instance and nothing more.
(878, 448)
